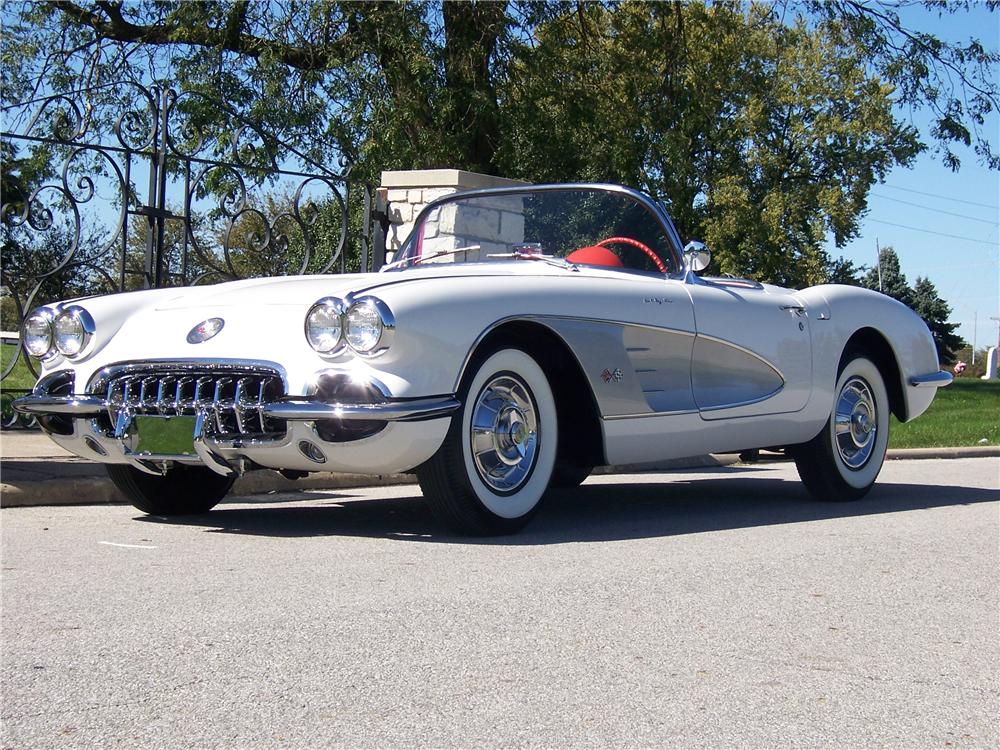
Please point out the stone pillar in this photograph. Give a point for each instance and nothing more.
(991, 364)
(407, 192)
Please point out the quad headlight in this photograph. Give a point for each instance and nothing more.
(68, 333)
(366, 326)
(72, 329)
(36, 333)
(325, 325)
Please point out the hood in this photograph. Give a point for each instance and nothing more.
(304, 290)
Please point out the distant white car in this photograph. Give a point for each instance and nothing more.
(521, 337)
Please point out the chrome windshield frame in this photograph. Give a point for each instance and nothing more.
(652, 206)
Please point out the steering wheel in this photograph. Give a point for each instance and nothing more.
(635, 243)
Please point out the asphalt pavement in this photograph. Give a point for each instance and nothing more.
(713, 608)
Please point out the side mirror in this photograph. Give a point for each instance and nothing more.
(696, 257)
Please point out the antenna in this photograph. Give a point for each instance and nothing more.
(878, 262)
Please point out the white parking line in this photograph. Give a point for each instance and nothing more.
(130, 546)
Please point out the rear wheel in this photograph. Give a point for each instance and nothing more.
(495, 464)
(843, 460)
(183, 490)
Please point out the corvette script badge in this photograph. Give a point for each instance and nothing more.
(205, 330)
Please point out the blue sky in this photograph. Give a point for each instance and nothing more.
(931, 198)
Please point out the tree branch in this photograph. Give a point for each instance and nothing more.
(113, 25)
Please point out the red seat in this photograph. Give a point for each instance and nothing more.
(595, 255)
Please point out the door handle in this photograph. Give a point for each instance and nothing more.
(799, 310)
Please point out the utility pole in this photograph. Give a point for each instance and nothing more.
(997, 321)
(975, 323)
(878, 262)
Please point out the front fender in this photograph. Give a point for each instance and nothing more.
(838, 312)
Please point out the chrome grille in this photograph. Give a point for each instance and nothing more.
(232, 400)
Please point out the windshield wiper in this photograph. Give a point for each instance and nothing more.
(422, 258)
(552, 260)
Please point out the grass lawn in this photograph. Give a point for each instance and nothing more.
(962, 414)
(21, 377)
(14, 384)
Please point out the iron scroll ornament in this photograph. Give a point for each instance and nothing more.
(148, 195)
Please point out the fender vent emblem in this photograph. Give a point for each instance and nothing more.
(614, 375)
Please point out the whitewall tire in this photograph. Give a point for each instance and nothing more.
(843, 460)
(496, 462)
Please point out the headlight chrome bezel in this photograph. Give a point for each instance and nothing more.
(385, 318)
(84, 323)
(343, 309)
(338, 307)
(46, 315)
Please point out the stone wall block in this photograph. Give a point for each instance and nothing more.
(471, 222)
(514, 204)
(511, 227)
(434, 193)
(400, 213)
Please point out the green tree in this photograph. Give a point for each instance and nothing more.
(761, 137)
(422, 82)
(935, 312)
(761, 126)
(274, 237)
(173, 252)
(888, 278)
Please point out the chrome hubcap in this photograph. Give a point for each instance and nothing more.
(504, 438)
(855, 423)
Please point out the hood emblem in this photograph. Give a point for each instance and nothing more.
(205, 330)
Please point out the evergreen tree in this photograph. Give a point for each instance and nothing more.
(888, 278)
(935, 312)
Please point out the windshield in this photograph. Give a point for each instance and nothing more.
(582, 226)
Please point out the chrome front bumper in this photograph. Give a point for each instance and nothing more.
(291, 410)
(226, 455)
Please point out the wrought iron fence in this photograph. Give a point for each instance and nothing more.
(148, 196)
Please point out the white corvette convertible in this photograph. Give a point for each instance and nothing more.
(520, 338)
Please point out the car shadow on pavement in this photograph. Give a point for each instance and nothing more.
(592, 512)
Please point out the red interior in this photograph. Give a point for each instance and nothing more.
(594, 255)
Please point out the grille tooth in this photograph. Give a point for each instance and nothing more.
(217, 403)
(162, 404)
(234, 401)
(127, 390)
(179, 393)
(144, 384)
(200, 387)
(238, 403)
(260, 405)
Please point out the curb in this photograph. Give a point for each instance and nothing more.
(972, 451)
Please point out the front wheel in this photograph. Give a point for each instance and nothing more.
(566, 476)
(496, 461)
(843, 460)
(183, 490)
